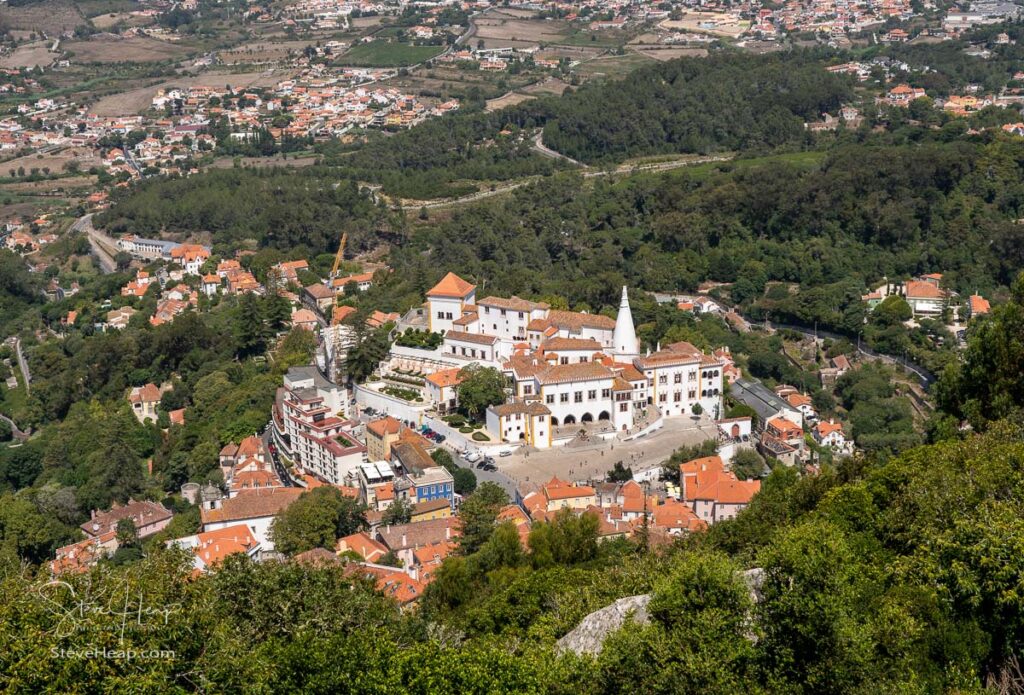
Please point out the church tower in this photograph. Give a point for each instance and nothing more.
(625, 346)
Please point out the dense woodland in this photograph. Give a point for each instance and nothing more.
(724, 102)
(275, 208)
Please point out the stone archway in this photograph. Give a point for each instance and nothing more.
(569, 420)
(604, 415)
(587, 417)
(554, 422)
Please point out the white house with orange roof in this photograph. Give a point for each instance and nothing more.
(447, 300)
(144, 401)
(212, 547)
(557, 494)
(925, 296)
(442, 388)
(712, 492)
(830, 434)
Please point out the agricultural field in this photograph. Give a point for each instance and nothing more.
(611, 67)
(499, 30)
(713, 23)
(29, 55)
(510, 99)
(52, 17)
(106, 21)
(670, 52)
(263, 52)
(54, 161)
(107, 48)
(387, 54)
(95, 8)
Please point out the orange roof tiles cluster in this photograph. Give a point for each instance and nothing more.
(452, 286)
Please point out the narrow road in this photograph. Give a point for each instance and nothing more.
(545, 151)
(508, 188)
(17, 433)
(23, 365)
(102, 246)
(282, 472)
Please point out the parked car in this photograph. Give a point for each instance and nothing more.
(506, 452)
(440, 438)
(489, 467)
(472, 457)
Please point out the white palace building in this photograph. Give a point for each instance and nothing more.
(566, 368)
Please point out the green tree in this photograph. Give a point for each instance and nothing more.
(748, 464)
(317, 519)
(400, 512)
(478, 515)
(479, 388)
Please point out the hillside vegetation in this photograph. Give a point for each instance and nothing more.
(897, 576)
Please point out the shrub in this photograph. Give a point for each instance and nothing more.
(465, 430)
(480, 437)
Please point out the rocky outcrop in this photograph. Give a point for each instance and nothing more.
(588, 637)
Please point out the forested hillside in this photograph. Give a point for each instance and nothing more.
(724, 102)
(276, 208)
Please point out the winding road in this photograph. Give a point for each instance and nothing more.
(23, 366)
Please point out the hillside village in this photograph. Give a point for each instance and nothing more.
(399, 442)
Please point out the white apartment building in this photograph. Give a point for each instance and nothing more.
(309, 431)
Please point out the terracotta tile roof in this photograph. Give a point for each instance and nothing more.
(555, 344)
(148, 393)
(476, 338)
(512, 303)
(826, 428)
(630, 373)
(445, 378)
(918, 289)
(798, 399)
(666, 357)
(453, 286)
(214, 546)
(729, 491)
(340, 313)
(250, 446)
(979, 305)
(673, 515)
(418, 534)
(435, 553)
(384, 426)
(252, 504)
(520, 407)
(575, 321)
(785, 428)
(142, 513)
(362, 545)
(556, 489)
(584, 371)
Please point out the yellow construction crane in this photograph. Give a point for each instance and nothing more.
(337, 257)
